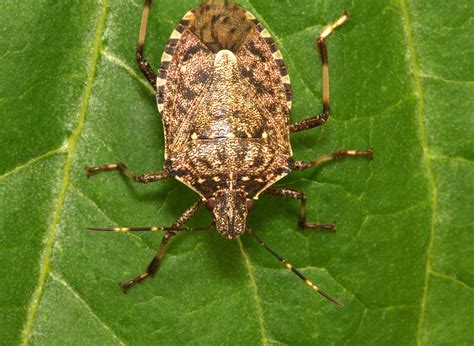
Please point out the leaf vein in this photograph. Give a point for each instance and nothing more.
(420, 204)
(100, 210)
(355, 296)
(452, 278)
(449, 81)
(119, 62)
(253, 287)
(359, 326)
(420, 112)
(451, 158)
(87, 306)
(71, 146)
(31, 162)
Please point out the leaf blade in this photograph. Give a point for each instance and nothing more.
(394, 100)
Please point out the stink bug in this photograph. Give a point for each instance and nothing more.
(225, 97)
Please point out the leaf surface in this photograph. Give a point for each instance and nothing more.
(401, 83)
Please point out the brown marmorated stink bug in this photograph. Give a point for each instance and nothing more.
(224, 94)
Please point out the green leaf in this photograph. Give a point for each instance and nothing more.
(70, 96)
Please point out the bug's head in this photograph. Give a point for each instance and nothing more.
(230, 209)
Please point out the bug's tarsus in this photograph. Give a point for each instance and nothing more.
(294, 270)
(156, 261)
(146, 69)
(300, 196)
(323, 53)
(152, 267)
(121, 167)
(340, 154)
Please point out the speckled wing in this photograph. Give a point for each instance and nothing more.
(261, 65)
(185, 72)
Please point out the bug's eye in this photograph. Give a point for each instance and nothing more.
(211, 204)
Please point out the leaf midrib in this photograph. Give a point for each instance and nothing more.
(420, 113)
(71, 148)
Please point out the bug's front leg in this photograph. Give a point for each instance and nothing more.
(294, 194)
(121, 167)
(156, 261)
(323, 52)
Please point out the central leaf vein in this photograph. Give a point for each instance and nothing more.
(45, 261)
(420, 113)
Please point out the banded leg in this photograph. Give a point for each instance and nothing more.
(155, 263)
(341, 154)
(147, 229)
(121, 167)
(294, 270)
(293, 194)
(141, 61)
(323, 52)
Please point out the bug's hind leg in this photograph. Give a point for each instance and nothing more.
(294, 194)
(121, 167)
(341, 154)
(323, 52)
(141, 61)
(156, 261)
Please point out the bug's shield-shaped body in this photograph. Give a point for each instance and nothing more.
(225, 97)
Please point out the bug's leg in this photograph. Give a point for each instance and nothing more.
(294, 270)
(341, 154)
(294, 194)
(141, 61)
(320, 119)
(155, 263)
(121, 167)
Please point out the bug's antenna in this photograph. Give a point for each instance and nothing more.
(147, 229)
(296, 271)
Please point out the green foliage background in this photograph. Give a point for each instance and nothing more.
(401, 261)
